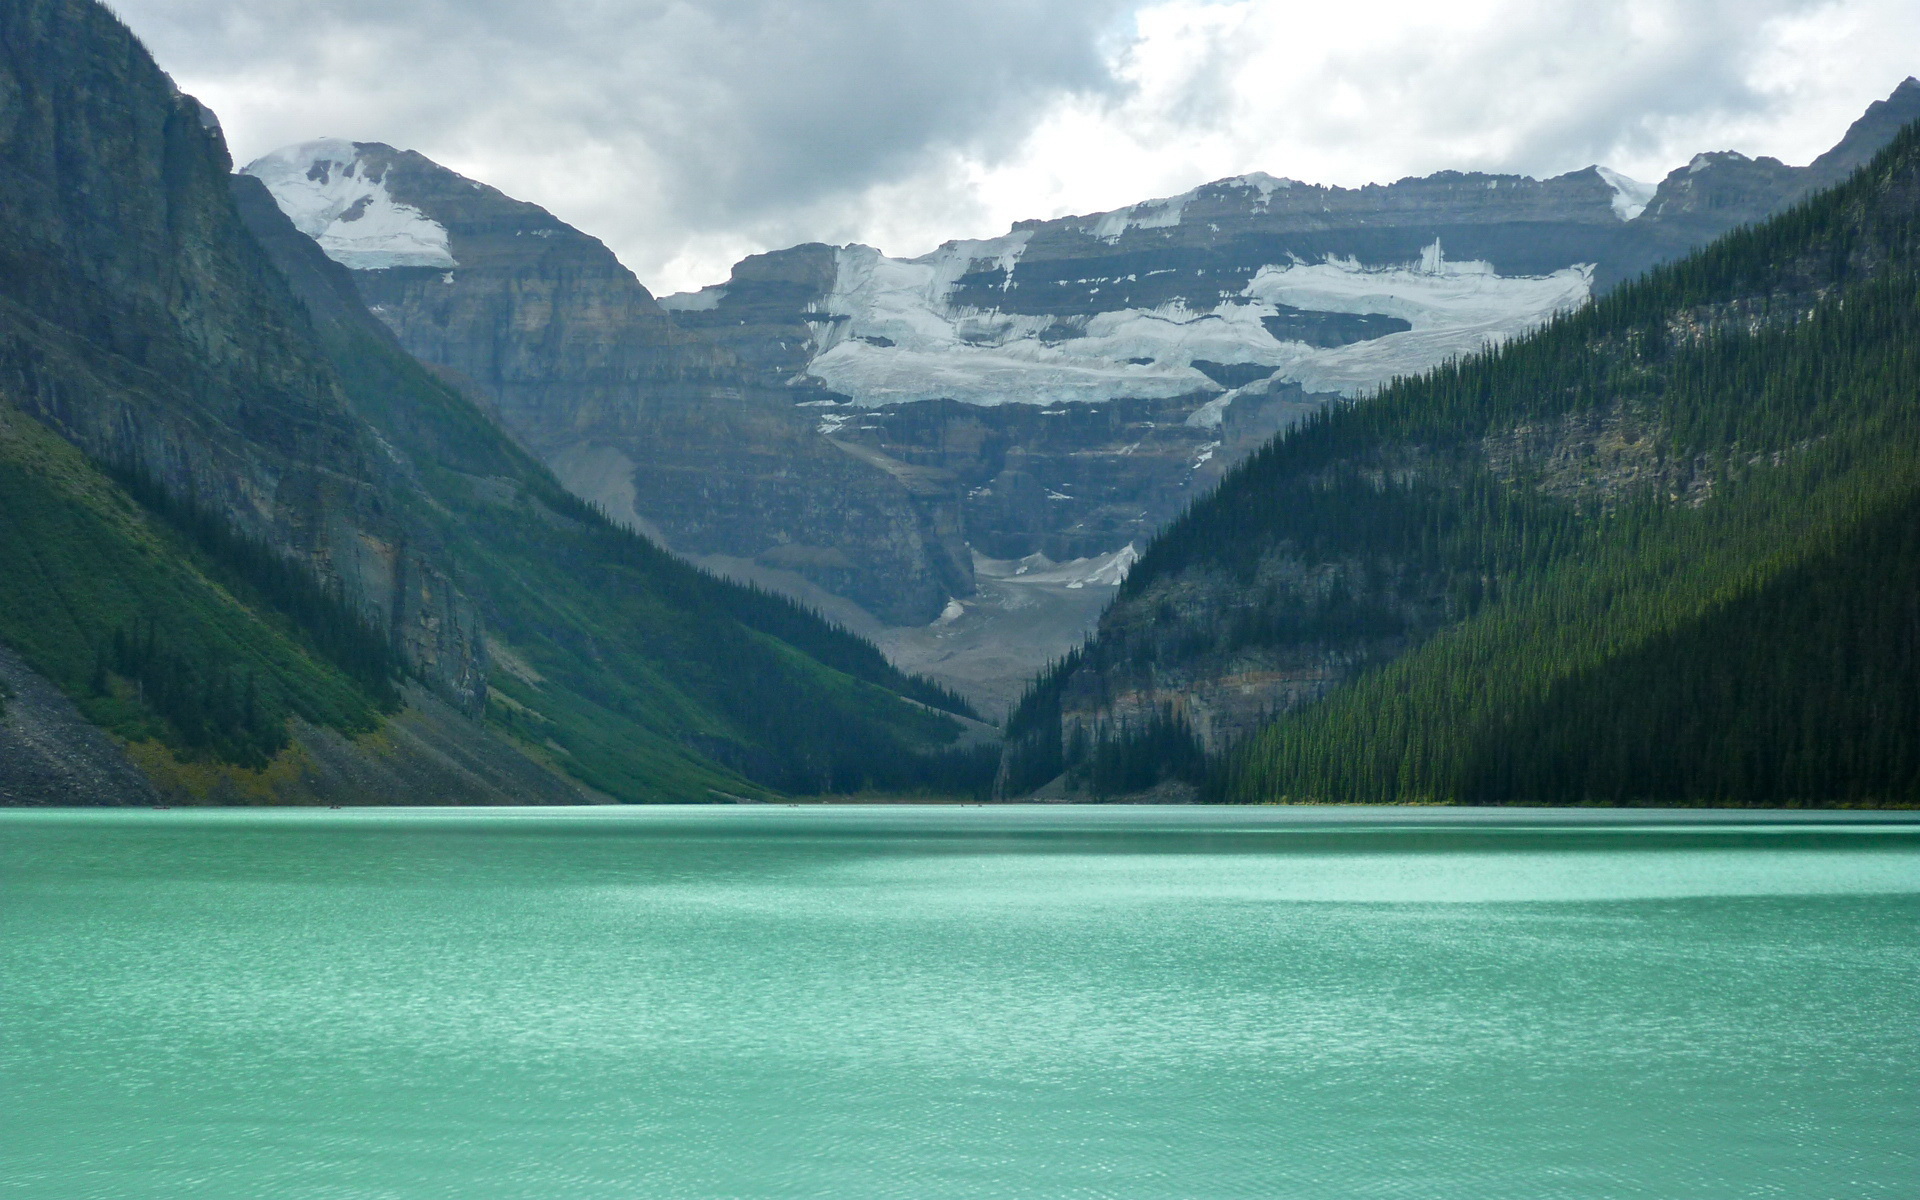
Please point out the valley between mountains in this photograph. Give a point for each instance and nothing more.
(958, 456)
(342, 478)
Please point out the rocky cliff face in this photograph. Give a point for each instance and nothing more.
(139, 321)
(1084, 378)
(1264, 609)
(834, 414)
(668, 432)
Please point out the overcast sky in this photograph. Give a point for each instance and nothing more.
(688, 133)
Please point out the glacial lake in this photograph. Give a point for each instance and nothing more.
(856, 1002)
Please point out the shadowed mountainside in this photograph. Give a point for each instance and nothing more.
(275, 559)
(1660, 552)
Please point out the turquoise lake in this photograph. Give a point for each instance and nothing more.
(924, 1003)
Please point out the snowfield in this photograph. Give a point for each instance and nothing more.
(1630, 196)
(900, 338)
(903, 341)
(333, 198)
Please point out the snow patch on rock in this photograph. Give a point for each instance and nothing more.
(1260, 181)
(1103, 570)
(1148, 214)
(334, 197)
(1630, 196)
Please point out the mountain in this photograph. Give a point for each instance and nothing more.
(894, 440)
(251, 550)
(1662, 551)
(579, 361)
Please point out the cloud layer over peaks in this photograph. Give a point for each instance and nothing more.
(686, 134)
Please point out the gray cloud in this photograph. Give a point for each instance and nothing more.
(736, 108)
(686, 133)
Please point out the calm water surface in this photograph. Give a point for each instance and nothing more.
(931, 1003)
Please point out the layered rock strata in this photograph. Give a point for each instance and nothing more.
(670, 433)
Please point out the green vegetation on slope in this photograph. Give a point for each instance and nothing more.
(643, 677)
(145, 630)
(1721, 619)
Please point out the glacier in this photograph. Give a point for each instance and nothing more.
(899, 338)
(336, 198)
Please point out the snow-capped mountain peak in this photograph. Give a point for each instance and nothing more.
(340, 200)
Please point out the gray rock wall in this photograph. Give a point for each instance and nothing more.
(140, 321)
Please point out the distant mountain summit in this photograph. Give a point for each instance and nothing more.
(850, 426)
(341, 201)
(1251, 279)
(667, 431)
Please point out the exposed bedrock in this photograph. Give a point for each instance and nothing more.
(866, 424)
(139, 320)
(670, 432)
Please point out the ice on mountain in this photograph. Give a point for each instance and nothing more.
(902, 338)
(327, 193)
(1630, 196)
(1260, 181)
(1148, 214)
(1213, 412)
(1104, 570)
(1454, 307)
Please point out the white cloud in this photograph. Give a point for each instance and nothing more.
(688, 134)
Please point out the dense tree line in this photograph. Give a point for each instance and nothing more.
(213, 706)
(1123, 757)
(1804, 689)
(1730, 628)
(328, 621)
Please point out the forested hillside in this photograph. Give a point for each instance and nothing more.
(640, 672)
(1662, 551)
(279, 561)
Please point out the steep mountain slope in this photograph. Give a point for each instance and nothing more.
(579, 361)
(638, 671)
(1245, 294)
(252, 607)
(853, 427)
(275, 559)
(1661, 551)
(137, 320)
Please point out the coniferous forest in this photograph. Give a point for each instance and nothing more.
(1520, 611)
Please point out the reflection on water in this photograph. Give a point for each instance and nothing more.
(932, 1003)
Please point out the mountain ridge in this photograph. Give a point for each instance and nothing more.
(1658, 552)
(277, 560)
(890, 427)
